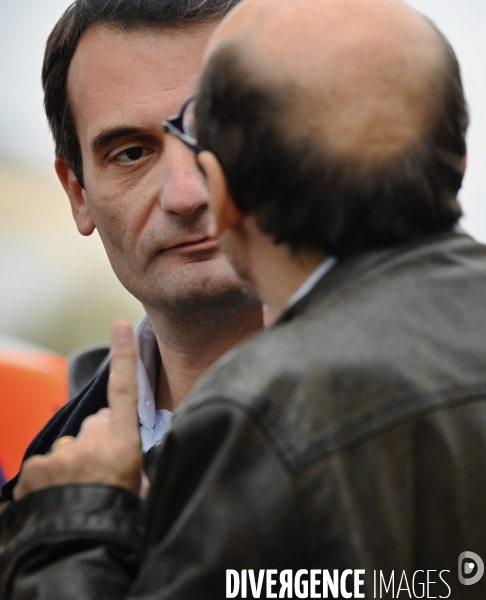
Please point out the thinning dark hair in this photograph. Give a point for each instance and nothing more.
(309, 198)
(123, 14)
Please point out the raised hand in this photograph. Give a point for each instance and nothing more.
(107, 449)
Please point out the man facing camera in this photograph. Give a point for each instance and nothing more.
(112, 71)
(345, 446)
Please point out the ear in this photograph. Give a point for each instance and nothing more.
(77, 197)
(223, 211)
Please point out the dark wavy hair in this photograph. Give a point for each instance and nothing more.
(307, 197)
(123, 14)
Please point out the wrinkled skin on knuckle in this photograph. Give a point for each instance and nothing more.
(125, 388)
(33, 469)
(32, 464)
(94, 431)
(104, 412)
(99, 455)
(33, 476)
(90, 424)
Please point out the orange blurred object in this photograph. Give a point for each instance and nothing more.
(33, 386)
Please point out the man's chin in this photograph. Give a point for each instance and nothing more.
(196, 284)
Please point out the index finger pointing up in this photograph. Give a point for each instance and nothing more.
(123, 384)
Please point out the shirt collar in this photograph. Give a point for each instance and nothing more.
(326, 265)
(147, 372)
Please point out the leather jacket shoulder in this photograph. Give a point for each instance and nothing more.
(350, 435)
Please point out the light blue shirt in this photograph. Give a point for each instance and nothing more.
(154, 424)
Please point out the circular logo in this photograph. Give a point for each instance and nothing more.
(470, 564)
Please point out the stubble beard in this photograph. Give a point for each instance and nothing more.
(205, 302)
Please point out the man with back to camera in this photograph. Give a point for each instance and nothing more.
(112, 71)
(351, 435)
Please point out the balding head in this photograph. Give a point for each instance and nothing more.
(361, 86)
(366, 70)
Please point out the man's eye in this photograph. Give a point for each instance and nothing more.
(130, 155)
(134, 153)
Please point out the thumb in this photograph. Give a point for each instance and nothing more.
(123, 384)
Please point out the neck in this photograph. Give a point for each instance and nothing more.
(277, 290)
(192, 339)
(276, 271)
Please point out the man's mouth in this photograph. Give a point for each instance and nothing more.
(202, 245)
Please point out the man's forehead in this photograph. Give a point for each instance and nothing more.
(128, 75)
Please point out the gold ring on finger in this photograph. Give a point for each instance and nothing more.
(65, 439)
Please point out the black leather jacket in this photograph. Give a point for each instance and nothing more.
(350, 435)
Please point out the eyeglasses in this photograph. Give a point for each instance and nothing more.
(183, 125)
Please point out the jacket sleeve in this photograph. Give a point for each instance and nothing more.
(70, 542)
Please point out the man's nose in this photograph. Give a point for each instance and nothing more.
(183, 190)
